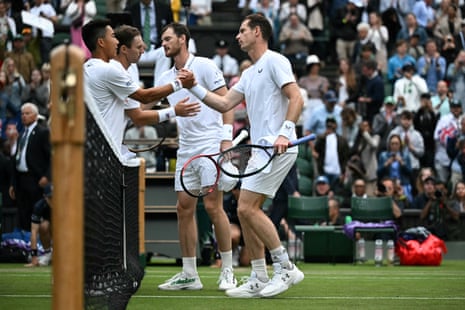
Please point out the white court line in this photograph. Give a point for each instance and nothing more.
(291, 297)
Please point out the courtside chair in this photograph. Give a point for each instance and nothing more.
(304, 161)
(372, 210)
(305, 185)
(308, 209)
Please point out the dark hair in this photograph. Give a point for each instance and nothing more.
(179, 30)
(348, 112)
(260, 21)
(94, 30)
(331, 120)
(401, 41)
(371, 64)
(369, 46)
(397, 137)
(125, 35)
(425, 96)
(406, 114)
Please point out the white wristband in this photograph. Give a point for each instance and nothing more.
(177, 85)
(199, 91)
(287, 129)
(227, 132)
(166, 114)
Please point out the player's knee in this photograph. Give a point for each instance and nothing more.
(245, 212)
(184, 210)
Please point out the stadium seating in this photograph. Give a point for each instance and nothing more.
(305, 213)
(305, 186)
(373, 210)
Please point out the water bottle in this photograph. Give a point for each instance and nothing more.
(348, 219)
(390, 252)
(361, 250)
(299, 255)
(378, 252)
(167, 164)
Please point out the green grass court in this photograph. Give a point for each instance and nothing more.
(340, 286)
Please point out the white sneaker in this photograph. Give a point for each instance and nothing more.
(181, 281)
(251, 288)
(283, 279)
(44, 260)
(227, 280)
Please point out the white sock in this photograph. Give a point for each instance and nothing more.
(189, 265)
(279, 255)
(226, 260)
(259, 266)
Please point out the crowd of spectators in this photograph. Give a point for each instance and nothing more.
(393, 105)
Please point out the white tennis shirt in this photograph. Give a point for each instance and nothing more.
(267, 105)
(110, 85)
(200, 133)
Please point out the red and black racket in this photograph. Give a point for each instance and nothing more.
(205, 165)
(248, 159)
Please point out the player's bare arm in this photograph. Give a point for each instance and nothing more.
(228, 119)
(148, 95)
(220, 103)
(141, 118)
(296, 102)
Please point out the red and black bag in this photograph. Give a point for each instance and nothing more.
(417, 246)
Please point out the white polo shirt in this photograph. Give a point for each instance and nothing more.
(110, 86)
(267, 105)
(200, 133)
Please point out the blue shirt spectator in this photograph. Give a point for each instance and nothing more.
(395, 163)
(424, 13)
(432, 66)
(412, 28)
(317, 122)
(398, 60)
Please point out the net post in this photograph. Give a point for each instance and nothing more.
(142, 212)
(67, 137)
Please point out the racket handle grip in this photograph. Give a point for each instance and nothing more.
(241, 136)
(304, 139)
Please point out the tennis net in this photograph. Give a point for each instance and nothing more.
(113, 271)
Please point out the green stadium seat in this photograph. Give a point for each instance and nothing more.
(372, 209)
(311, 209)
(304, 161)
(305, 185)
(304, 167)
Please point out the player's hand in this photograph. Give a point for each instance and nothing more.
(281, 144)
(43, 181)
(225, 144)
(186, 77)
(183, 108)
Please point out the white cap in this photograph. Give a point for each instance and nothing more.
(357, 3)
(313, 59)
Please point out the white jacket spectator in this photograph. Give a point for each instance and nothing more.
(408, 89)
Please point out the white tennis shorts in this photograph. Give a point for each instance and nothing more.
(268, 183)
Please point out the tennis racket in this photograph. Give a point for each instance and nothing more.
(206, 166)
(248, 159)
(144, 139)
